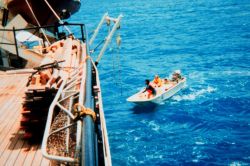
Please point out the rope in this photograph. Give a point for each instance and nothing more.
(117, 65)
(114, 71)
(91, 33)
(81, 110)
(119, 70)
(37, 21)
(58, 18)
(118, 42)
(108, 25)
(98, 45)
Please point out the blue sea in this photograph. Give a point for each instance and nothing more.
(208, 122)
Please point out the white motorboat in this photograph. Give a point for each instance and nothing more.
(165, 91)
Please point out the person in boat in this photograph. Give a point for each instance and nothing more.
(166, 81)
(150, 89)
(176, 76)
(157, 81)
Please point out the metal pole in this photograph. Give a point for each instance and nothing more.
(83, 39)
(88, 126)
(88, 142)
(14, 32)
(97, 29)
(5, 17)
(108, 39)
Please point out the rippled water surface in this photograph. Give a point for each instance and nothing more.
(207, 123)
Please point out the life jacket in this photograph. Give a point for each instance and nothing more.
(157, 81)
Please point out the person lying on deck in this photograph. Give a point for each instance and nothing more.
(149, 88)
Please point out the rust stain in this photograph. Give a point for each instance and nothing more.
(4, 94)
(12, 87)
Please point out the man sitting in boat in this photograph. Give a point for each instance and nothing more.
(157, 81)
(166, 81)
(176, 76)
(149, 88)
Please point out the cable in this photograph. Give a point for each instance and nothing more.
(58, 18)
(119, 70)
(98, 45)
(43, 32)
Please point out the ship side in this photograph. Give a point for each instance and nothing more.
(50, 89)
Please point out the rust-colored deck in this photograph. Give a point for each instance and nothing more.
(14, 150)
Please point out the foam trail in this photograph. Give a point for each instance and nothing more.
(194, 95)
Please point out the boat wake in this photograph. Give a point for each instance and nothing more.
(151, 124)
(194, 94)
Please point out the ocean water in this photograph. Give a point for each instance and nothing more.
(208, 122)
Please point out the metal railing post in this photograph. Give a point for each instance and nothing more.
(83, 38)
(14, 32)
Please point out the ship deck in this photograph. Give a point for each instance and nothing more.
(14, 150)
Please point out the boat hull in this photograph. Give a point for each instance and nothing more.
(169, 93)
(44, 15)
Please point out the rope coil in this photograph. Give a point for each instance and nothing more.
(80, 111)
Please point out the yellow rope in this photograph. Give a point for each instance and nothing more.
(87, 57)
(81, 110)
